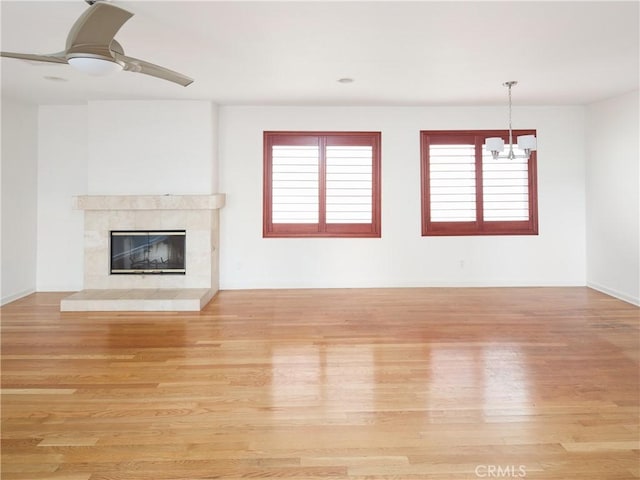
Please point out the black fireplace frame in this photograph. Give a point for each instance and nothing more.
(146, 240)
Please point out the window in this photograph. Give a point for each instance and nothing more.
(466, 192)
(321, 184)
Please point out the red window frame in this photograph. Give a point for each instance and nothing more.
(479, 226)
(322, 228)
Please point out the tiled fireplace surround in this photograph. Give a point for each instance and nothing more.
(197, 214)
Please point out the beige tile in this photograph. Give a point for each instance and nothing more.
(197, 214)
(147, 299)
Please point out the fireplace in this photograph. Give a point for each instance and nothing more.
(136, 252)
(156, 278)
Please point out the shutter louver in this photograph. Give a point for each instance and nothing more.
(505, 185)
(452, 175)
(295, 173)
(349, 194)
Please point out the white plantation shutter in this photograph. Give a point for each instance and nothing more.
(452, 174)
(349, 190)
(295, 174)
(320, 184)
(505, 185)
(466, 192)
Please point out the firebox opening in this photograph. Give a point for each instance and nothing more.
(148, 252)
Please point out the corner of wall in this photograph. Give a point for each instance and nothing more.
(19, 199)
(215, 165)
(613, 198)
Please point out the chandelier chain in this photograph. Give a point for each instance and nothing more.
(511, 155)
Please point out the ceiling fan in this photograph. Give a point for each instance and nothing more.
(91, 47)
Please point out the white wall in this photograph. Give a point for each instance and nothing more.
(402, 257)
(151, 147)
(613, 202)
(62, 173)
(169, 147)
(113, 148)
(19, 194)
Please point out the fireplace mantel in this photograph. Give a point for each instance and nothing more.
(197, 215)
(149, 202)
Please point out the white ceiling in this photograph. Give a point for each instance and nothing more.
(293, 53)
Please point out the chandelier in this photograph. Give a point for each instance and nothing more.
(527, 143)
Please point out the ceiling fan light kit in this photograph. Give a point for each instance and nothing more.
(95, 66)
(92, 49)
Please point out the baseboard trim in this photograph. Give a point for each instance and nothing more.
(16, 296)
(614, 293)
(609, 291)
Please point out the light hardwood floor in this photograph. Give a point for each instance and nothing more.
(535, 383)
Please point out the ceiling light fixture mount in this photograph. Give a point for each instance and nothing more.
(495, 145)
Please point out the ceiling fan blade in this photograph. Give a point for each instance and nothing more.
(135, 65)
(55, 58)
(96, 26)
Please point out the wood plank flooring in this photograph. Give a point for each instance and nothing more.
(535, 383)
